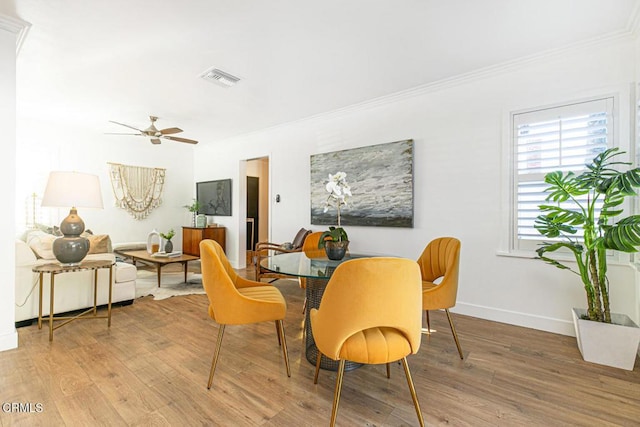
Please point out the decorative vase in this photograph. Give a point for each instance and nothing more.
(336, 250)
(153, 242)
(611, 344)
(168, 246)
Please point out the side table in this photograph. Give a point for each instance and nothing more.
(55, 269)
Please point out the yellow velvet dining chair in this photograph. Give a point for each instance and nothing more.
(234, 300)
(370, 313)
(310, 245)
(311, 250)
(440, 260)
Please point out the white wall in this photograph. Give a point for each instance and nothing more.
(8, 36)
(44, 146)
(458, 128)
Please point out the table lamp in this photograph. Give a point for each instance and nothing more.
(72, 189)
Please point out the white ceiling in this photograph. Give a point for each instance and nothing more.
(86, 62)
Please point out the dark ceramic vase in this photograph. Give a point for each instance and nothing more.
(72, 248)
(336, 250)
(168, 246)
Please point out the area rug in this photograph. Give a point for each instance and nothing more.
(172, 284)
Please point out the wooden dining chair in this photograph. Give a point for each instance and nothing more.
(264, 249)
(370, 313)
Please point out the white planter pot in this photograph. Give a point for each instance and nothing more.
(611, 344)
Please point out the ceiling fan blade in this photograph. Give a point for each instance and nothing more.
(122, 124)
(175, 138)
(168, 131)
(117, 133)
(155, 141)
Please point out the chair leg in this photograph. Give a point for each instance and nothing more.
(455, 335)
(304, 305)
(278, 333)
(412, 389)
(388, 371)
(215, 355)
(315, 377)
(428, 322)
(336, 395)
(281, 337)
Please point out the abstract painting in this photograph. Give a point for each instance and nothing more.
(381, 181)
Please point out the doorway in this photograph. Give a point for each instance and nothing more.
(253, 211)
(257, 199)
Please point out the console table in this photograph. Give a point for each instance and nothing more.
(53, 270)
(192, 236)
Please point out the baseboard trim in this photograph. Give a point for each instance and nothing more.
(542, 323)
(9, 341)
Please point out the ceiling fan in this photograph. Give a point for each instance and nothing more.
(153, 133)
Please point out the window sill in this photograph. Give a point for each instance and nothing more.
(612, 260)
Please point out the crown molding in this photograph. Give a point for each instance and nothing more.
(627, 34)
(16, 26)
(633, 26)
(490, 71)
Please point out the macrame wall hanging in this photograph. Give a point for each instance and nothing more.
(138, 190)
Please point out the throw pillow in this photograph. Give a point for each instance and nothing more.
(99, 243)
(298, 241)
(41, 243)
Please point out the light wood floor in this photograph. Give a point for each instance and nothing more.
(151, 368)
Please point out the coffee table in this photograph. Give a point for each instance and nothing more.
(158, 261)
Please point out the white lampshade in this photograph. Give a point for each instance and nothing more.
(72, 189)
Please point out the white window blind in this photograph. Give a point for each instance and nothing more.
(558, 138)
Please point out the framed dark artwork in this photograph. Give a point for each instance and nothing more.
(214, 197)
(381, 181)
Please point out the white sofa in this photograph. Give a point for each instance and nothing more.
(73, 291)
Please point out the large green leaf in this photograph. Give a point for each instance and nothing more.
(625, 182)
(600, 169)
(558, 221)
(547, 227)
(545, 247)
(623, 236)
(562, 187)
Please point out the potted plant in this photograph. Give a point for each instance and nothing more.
(168, 245)
(576, 199)
(193, 208)
(335, 241)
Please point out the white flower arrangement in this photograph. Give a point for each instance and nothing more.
(338, 190)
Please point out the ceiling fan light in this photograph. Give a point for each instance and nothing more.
(154, 134)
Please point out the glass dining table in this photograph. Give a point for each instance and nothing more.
(317, 272)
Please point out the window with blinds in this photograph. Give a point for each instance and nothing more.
(558, 138)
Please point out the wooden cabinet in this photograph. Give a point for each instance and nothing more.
(191, 237)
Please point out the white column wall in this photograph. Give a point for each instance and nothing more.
(8, 334)
(459, 131)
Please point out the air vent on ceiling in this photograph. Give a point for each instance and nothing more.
(219, 77)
